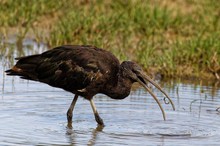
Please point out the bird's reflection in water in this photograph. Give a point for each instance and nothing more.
(94, 133)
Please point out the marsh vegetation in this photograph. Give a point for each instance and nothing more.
(174, 38)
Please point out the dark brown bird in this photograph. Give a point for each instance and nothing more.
(84, 71)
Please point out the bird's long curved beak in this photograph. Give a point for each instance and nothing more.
(143, 79)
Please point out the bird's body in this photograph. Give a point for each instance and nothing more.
(81, 70)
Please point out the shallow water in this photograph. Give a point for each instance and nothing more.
(33, 113)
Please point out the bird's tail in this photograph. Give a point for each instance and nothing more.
(25, 67)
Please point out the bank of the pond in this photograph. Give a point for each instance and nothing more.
(177, 39)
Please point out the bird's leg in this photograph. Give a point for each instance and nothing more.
(70, 111)
(96, 114)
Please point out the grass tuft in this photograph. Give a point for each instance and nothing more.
(174, 38)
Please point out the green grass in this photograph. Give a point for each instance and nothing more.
(24, 12)
(175, 38)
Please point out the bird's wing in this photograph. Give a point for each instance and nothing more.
(69, 67)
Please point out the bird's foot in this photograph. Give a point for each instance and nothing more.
(99, 120)
(69, 119)
(69, 125)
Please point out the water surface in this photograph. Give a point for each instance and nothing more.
(33, 113)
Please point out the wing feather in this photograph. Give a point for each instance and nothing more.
(69, 67)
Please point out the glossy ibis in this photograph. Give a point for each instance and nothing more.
(84, 71)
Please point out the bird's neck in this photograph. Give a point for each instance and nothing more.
(121, 88)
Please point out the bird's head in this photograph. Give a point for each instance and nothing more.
(134, 72)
